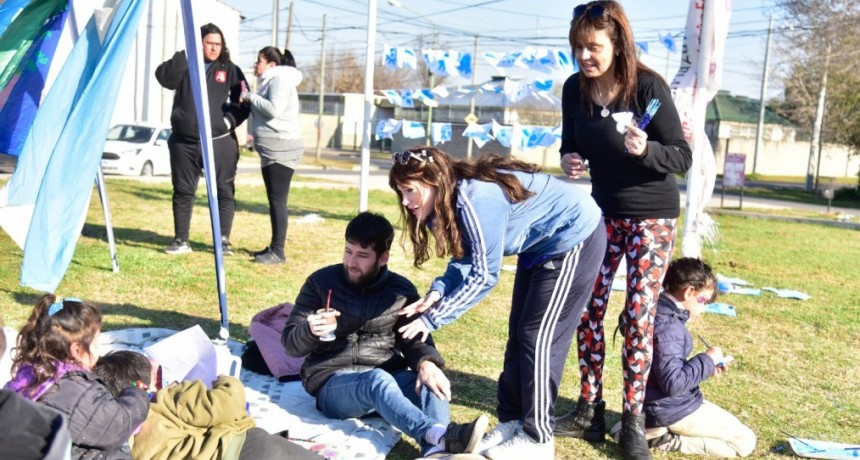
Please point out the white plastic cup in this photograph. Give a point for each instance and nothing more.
(331, 319)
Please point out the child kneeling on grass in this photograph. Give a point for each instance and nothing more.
(672, 398)
(188, 420)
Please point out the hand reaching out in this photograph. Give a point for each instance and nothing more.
(421, 305)
(415, 328)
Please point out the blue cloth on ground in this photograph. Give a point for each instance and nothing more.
(721, 309)
(788, 293)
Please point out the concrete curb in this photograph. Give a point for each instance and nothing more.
(801, 220)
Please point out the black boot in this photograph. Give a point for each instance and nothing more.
(586, 421)
(633, 444)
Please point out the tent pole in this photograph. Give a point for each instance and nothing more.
(100, 184)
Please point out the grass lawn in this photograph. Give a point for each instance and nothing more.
(794, 369)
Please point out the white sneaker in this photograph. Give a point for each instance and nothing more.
(521, 447)
(501, 433)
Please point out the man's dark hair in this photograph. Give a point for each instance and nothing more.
(369, 229)
(122, 369)
(210, 28)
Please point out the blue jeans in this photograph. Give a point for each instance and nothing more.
(349, 394)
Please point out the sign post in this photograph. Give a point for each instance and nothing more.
(733, 175)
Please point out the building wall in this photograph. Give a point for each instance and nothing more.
(780, 158)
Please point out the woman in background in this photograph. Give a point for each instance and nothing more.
(277, 138)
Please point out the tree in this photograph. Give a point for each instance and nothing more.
(344, 73)
(823, 44)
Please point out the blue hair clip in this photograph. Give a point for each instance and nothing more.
(55, 307)
(58, 305)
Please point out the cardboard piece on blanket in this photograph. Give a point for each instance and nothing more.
(186, 355)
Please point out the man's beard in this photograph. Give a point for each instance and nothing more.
(364, 278)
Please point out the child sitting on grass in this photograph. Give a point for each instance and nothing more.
(55, 352)
(188, 420)
(672, 399)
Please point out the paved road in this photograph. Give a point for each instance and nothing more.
(249, 173)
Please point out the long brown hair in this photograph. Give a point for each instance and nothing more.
(47, 338)
(433, 167)
(627, 66)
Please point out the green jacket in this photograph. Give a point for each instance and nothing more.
(187, 420)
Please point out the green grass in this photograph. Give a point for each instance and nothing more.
(795, 369)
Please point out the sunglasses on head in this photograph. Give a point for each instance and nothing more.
(403, 157)
(594, 10)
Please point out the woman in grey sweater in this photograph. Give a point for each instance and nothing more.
(277, 138)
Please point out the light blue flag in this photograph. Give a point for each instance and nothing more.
(389, 59)
(413, 130)
(441, 133)
(464, 66)
(393, 96)
(642, 46)
(406, 100)
(61, 156)
(668, 41)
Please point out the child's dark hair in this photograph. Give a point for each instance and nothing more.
(370, 230)
(689, 272)
(122, 369)
(52, 328)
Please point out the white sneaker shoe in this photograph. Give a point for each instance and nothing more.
(521, 447)
(501, 433)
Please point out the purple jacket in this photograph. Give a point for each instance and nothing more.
(672, 392)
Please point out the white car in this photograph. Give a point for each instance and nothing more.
(136, 149)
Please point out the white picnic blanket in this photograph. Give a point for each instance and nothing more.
(276, 406)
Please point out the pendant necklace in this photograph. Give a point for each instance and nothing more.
(605, 112)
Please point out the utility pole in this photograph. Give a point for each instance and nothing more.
(289, 26)
(816, 125)
(759, 130)
(472, 100)
(321, 87)
(275, 7)
(432, 83)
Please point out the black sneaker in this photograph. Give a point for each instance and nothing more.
(269, 258)
(177, 247)
(226, 249)
(260, 252)
(464, 437)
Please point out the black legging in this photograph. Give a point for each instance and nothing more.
(186, 164)
(277, 178)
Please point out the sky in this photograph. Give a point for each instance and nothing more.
(501, 26)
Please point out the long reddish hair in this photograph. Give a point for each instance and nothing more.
(433, 167)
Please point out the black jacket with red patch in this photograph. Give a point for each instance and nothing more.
(224, 84)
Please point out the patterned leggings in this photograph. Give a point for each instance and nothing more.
(647, 245)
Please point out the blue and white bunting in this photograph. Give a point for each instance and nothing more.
(406, 100)
(413, 130)
(441, 133)
(388, 128)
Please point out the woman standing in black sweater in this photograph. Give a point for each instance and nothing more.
(633, 183)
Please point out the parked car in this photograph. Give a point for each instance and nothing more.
(136, 149)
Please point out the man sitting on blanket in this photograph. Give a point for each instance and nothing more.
(368, 367)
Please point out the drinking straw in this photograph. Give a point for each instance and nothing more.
(328, 301)
(703, 341)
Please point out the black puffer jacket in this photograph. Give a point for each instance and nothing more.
(99, 423)
(366, 328)
(224, 85)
